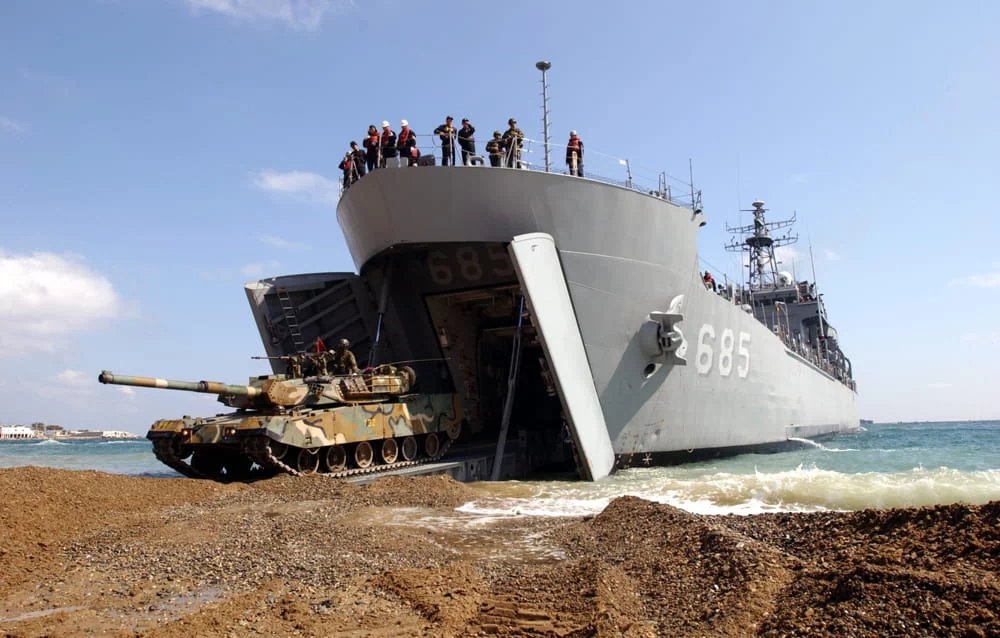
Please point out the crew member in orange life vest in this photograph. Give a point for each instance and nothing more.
(371, 144)
(387, 142)
(407, 143)
(574, 146)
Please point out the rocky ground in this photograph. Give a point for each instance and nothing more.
(90, 553)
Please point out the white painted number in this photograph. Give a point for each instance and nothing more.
(498, 255)
(727, 343)
(468, 263)
(704, 360)
(744, 351)
(440, 272)
(726, 352)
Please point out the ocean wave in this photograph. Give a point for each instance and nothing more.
(800, 490)
(820, 446)
(51, 442)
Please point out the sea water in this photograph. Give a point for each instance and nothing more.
(884, 465)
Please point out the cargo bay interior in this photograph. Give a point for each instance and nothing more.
(454, 313)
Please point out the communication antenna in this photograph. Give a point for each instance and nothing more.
(544, 66)
(756, 240)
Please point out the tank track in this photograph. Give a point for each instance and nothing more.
(166, 454)
(259, 451)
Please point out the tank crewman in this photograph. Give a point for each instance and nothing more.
(343, 361)
(447, 134)
(495, 149)
(407, 143)
(387, 143)
(350, 170)
(513, 140)
(709, 280)
(372, 148)
(359, 159)
(293, 367)
(467, 140)
(574, 154)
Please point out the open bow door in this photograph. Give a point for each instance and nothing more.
(540, 272)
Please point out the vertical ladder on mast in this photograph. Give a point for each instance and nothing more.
(291, 320)
(508, 402)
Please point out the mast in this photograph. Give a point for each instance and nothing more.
(543, 67)
(758, 243)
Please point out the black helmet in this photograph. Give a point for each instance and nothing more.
(343, 344)
(496, 133)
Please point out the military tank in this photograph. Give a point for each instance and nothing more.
(339, 425)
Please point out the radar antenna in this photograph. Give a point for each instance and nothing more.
(757, 242)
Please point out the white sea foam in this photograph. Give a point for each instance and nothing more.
(51, 442)
(820, 446)
(799, 490)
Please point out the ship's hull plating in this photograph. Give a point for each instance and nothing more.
(624, 255)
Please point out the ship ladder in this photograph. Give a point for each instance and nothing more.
(508, 402)
(291, 320)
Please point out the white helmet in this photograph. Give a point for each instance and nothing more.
(572, 133)
(385, 123)
(404, 123)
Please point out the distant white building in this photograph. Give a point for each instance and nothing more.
(118, 434)
(14, 432)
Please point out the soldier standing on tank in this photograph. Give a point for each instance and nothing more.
(513, 140)
(447, 134)
(343, 361)
(359, 159)
(372, 150)
(294, 367)
(387, 143)
(495, 149)
(574, 154)
(467, 140)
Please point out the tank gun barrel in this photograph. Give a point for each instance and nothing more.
(205, 387)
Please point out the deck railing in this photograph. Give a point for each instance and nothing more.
(597, 166)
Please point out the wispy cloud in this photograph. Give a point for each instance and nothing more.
(832, 256)
(297, 14)
(300, 184)
(47, 81)
(129, 392)
(71, 378)
(985, 280)
(9, 125)
(45, 299)
(986, 337)
(278, 242)
(257, 269)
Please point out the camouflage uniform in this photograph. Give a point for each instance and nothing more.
(343, 362)
(513, 140)
(495, 149)
(294, 367)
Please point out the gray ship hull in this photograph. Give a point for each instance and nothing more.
(727, 383)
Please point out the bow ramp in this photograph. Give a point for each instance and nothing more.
(543, 283)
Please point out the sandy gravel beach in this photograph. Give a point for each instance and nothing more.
(85, 553)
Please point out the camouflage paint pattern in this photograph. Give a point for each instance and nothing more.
(418, 414)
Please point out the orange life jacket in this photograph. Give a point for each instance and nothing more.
(403, 136)
(574, 144)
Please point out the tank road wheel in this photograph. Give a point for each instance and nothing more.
(432, 445)
(336, 458)
(207, 462)
(454, 430)
(409, 448)
(307, 460)
(278, 450)
(390, 451)
(363, 454)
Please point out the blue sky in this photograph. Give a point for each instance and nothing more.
(155, 155)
